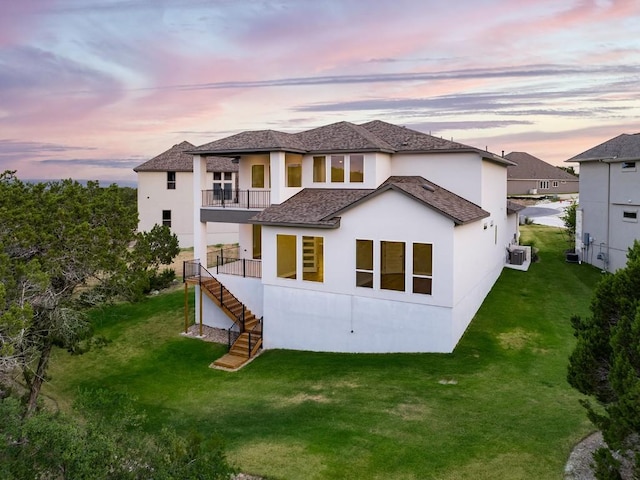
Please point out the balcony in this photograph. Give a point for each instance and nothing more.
(237, 199)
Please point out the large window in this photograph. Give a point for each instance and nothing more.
(337, 168)
(166, 218)
(222, 185)
(630, 216)
(356, 168)
(286, 256)
(171, 180)
(392, 262)
(364, 263)
(312, 259)
(543, 184)
(320, 169)
(257, 176)
(422, 267)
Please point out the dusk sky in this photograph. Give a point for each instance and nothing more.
(90, 89)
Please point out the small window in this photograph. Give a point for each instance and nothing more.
(628, 166)
(422, 268)
(166, 218)
(257, 176)
(356, 166)
(312, 259)
(554, 184)
(337, 168)
(630, 216)
(171, 180)
(294, 175)
(319, 169)
(364, 263)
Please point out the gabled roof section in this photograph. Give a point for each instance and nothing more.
(260, 141)
(343, 137)
(313, 207)
(445, 202)
(177, 160)
(621, 148)
(532, 168)
(322, 207)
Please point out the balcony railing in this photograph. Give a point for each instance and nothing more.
(239, 199)
(243, 267)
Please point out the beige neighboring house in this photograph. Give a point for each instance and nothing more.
(166, 196)
(609, 208)
(532, 176)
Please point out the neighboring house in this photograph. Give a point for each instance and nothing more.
(607, 215)
(532, 176)
(166, 196)
(360, 238)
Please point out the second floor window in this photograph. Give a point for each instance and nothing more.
(257, 176)
(171, 180)
(222, 185)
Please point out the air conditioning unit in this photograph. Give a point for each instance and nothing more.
(533, 191)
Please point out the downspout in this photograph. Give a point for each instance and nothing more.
(606, 261)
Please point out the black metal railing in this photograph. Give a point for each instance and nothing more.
(240, 199)
(255, 335)
(243, 267)
(190, 269)
(221, 255)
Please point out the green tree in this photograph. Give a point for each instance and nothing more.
(105, 440)
(63, 247)
(568, 218)
(605, 364)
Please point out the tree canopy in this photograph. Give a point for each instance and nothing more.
(605, 364)
(63, 248)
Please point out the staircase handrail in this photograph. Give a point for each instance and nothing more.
(254, 337)
(239, 319)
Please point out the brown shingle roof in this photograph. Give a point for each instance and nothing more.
(529, 167)
(623, 147)
(342, 137)
(253, 141)
(311, 207)
(318, 207)
(513, 207)
(374, 136)
(176, 160)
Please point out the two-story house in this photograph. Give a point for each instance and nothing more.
(607, 214)
(165, 194)
(358, 238)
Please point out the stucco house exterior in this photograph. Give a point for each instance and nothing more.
(361, 238)
(165, 194)
(609, 206)
(532, 176)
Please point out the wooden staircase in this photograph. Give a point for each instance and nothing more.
(249, 341)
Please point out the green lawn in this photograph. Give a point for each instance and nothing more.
(497, 408)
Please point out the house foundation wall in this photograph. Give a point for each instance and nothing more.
(320, 321)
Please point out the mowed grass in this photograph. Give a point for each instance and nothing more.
(498, 407)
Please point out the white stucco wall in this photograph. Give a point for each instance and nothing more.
(338, 316)
(154, 197)
(459, 173)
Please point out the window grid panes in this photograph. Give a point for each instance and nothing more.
(166, 218)
(422, 268)
(171, 180)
